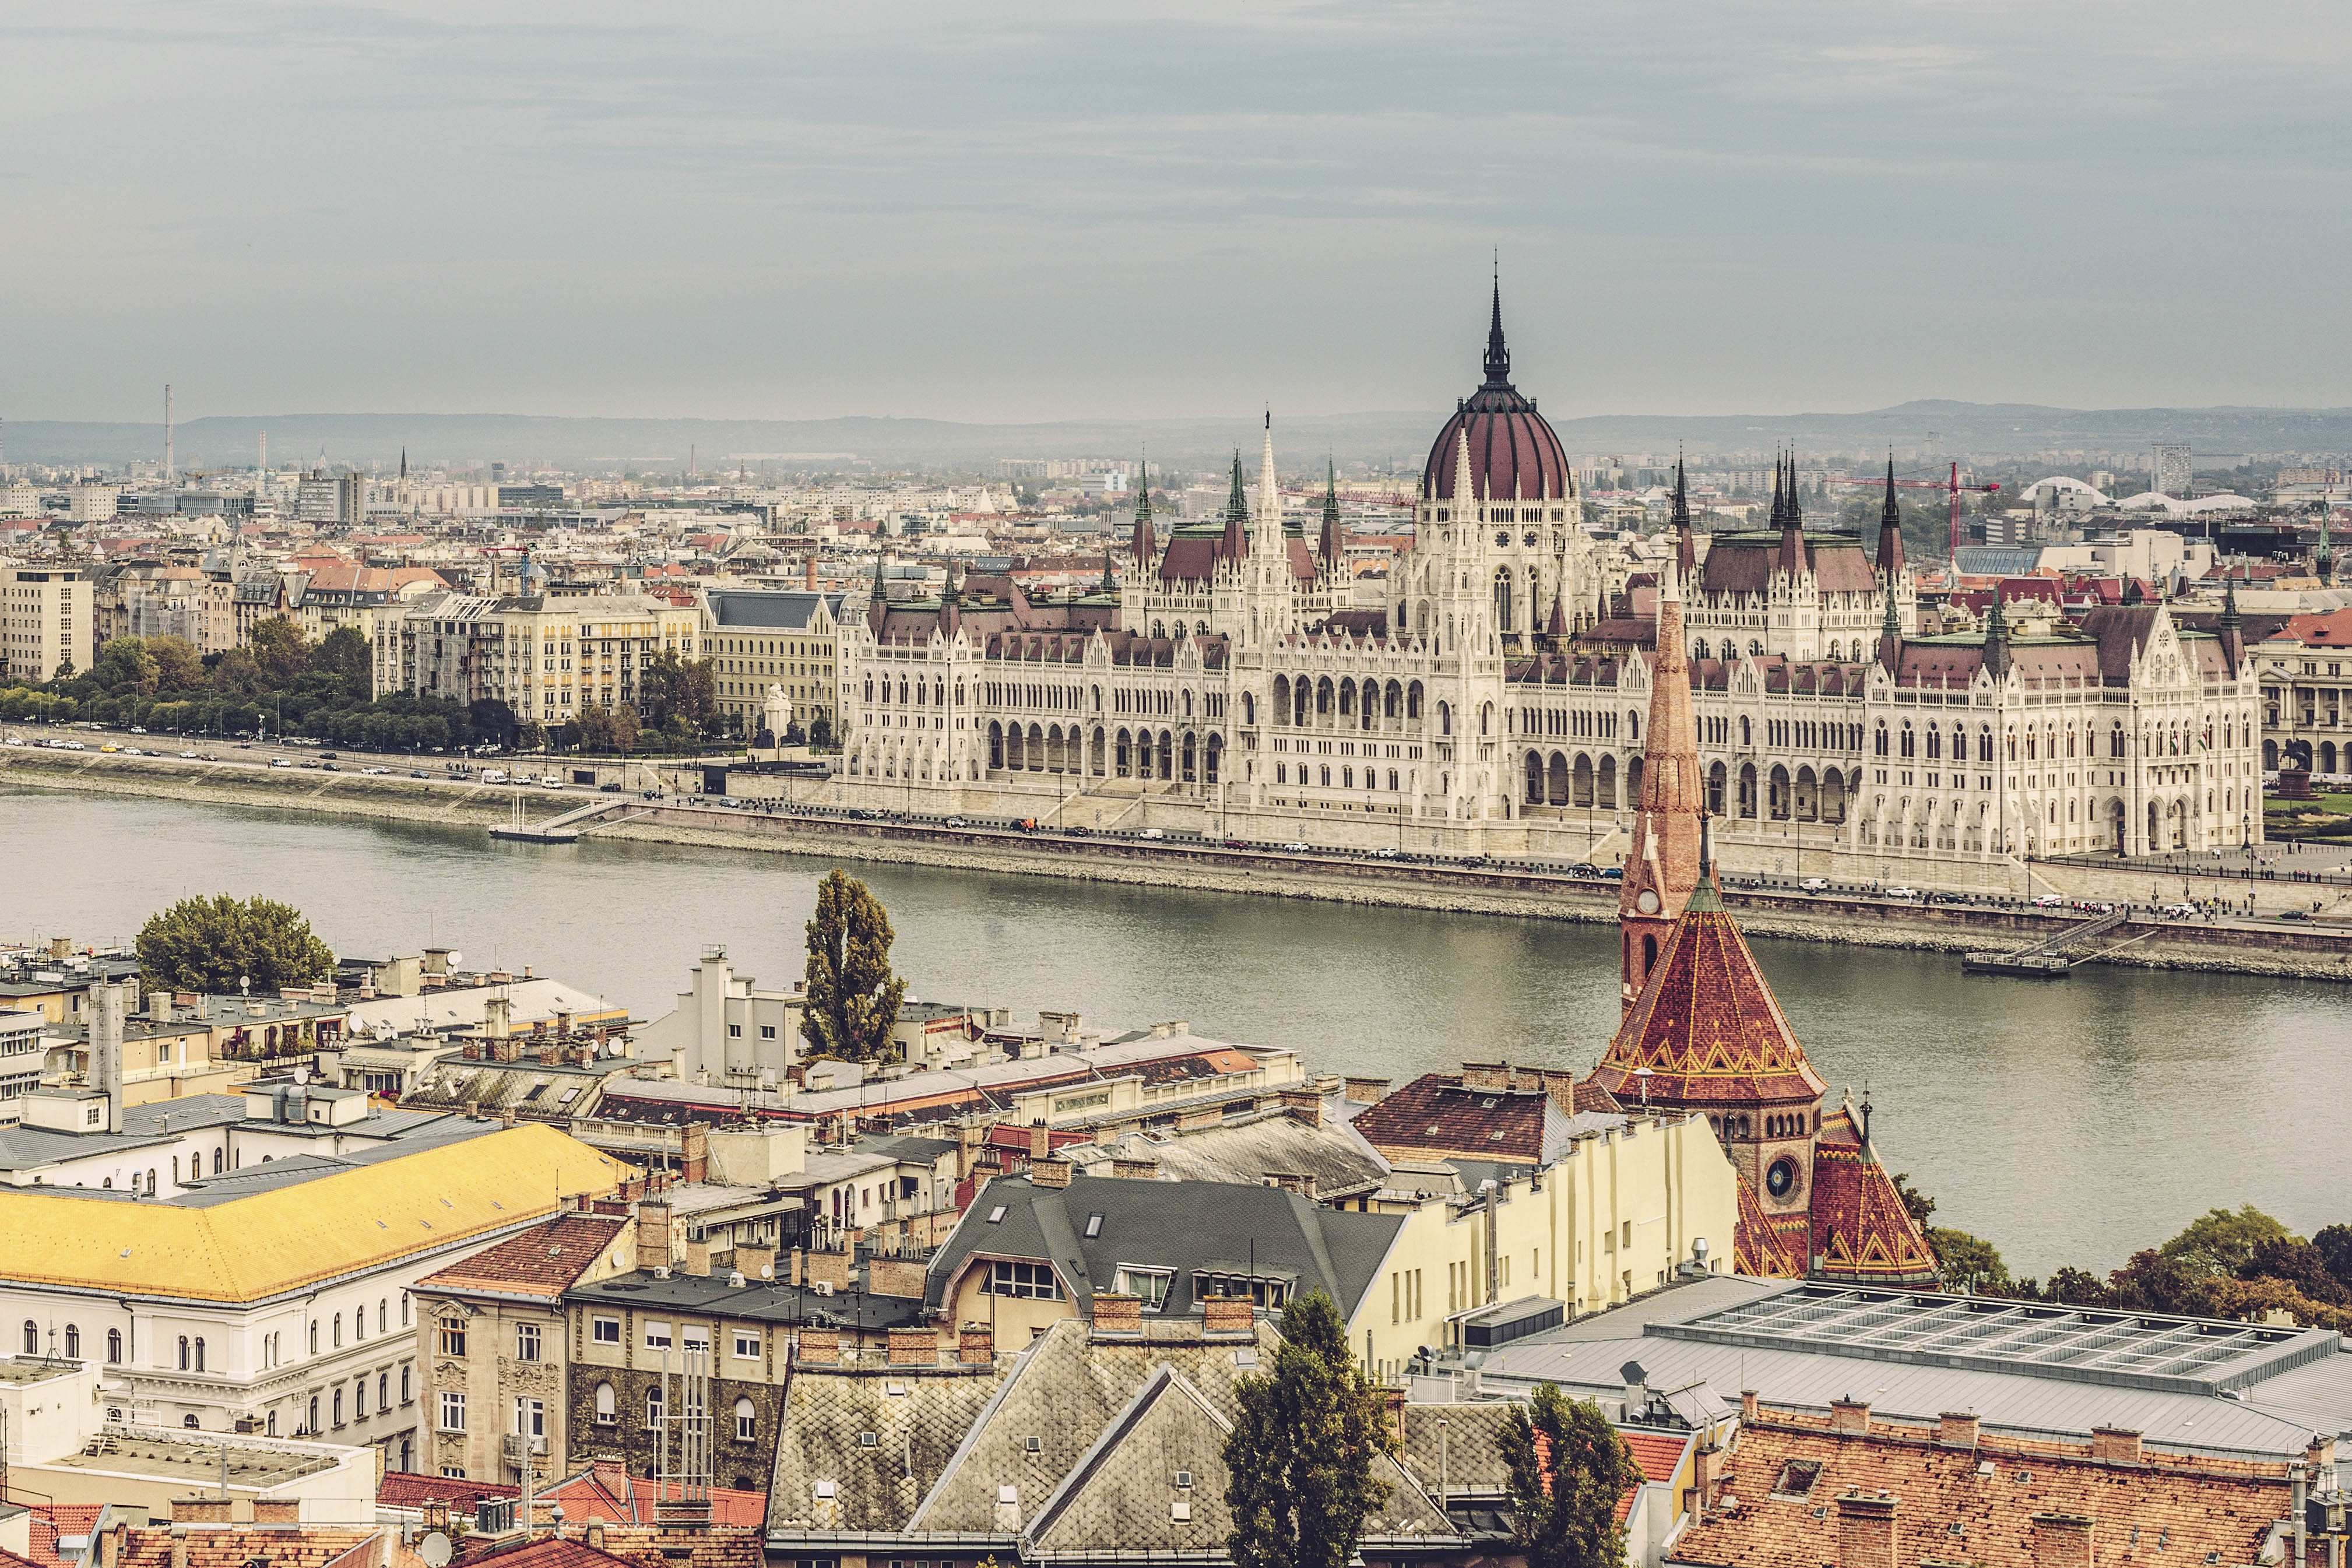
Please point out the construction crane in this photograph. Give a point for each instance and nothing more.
(1951, 485)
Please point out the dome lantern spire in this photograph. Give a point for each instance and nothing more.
(1498, 356)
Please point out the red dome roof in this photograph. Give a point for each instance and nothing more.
(1514, 451)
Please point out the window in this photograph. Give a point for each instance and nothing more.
(314, 1337)
(453, 1336)
(339, 1332)
(404, 1385)
(311, 1425)
(339, 1406)
(359, 1400)
(746, 1345)
(113, 1346)
(453, 1411)
(1262, 1291)
(384, 1391)
(453, 1472)
(604, 1416)
(1150, 1284)
(657, 1336)
(653, 1406)
(530, 1418)
(605, 1331)
(200, 1354)
(1032, 1281)
(73, 1343)
(33, 1348)
(526, 1341)
(747, 1421)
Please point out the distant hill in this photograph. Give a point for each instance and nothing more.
(1983, 430)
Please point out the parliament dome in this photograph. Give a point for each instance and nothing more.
(1514, 453)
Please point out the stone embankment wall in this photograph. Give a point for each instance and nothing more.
(2314, 953)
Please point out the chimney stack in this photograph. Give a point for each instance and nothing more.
(2114, 1446)
(1957, 1430)
(2061, 1541)
(653, 1235)
(1865, 1530)
(1849, 1415)
(106, 1049)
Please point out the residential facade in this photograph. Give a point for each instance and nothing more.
(2306, 694)
(50, 622)
(783, 640)
(547, 657)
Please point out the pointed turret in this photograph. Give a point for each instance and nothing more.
(1779, 497)
(1685, 548)
(1498, 356)
(2324, 562)
(1236, 536)
(1267, 524)
(1556, 630)
(1333, 551)
(1890, 534)
(877, 603)
(1792, 525)
(1662, 864)
(1996, 639)
(1890, 635)
(1144, 544)
(2232, 630)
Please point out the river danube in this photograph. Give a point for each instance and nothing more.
(2066, 1122)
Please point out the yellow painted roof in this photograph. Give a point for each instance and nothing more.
(252, 1247)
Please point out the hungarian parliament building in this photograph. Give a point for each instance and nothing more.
(1229, 683)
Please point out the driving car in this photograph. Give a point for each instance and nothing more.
(1900, 892)
(279, 763)
(375, 772)
(1295, 848)
(418, 774)
(1385, 852)
(1152, 833)
(2049, 901)
(954, 822)
(1813, 885)
(187, 756)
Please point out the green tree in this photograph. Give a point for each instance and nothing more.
(1920, 1205)
(345, 652)
(2220, 1242)
(124, 667)
(820, 733)
(178, 666)
(852, 996)
(1969, 1263)
(280, 649)
(210, 944)
(2334, 1244)
(1298, 1462)
(2076, 1287)
(1567, 1491)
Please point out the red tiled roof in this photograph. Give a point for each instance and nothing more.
(52, 1519)
(235, 1545)
(545, 1260)
(408, 1490)
(1945, 1509)
(1435, 1114)
(1863, 1232)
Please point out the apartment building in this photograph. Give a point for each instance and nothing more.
(48, 623)
(547, 657)
(783, 637)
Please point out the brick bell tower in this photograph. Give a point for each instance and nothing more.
(1663, 866)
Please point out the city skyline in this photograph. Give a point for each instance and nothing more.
(1048, 214)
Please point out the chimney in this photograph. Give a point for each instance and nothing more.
(1957, 1430)
(1041, 1141)
(1751, 1406)
(1305, 1105)
(60, 949)
(1117, 1314)
(1227, 1315)
(694, 1153)
(179, 1544)
(1135, 1170)
(200, 1510)
(653, 1235)
(1049, 1173)
(1366, 1090)
(818, 1347)
(976, 1345)
(498, 1018)
(106, 1049)
(1849, 1415)
(2061, 1541)
(755, 1262)
(1707, 1464)
(277, 1510)
(2320, 1454)
(595, 1534)
(2114, 1446)
(914, 1347)
(1392, 1414)
(808, 572)
(1865, 1530)
(795, 1276)
(698, 1258)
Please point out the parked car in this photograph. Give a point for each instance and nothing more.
(137, 730)
(609, 788)
(1152, 833)
(2180, 912)
(279, 763)
(1295, 848)
(494, 775)
(1813, 885)
(1900, 892)
(187, 756)
(2049, 901)
(1385, 852)
(550, 781)
(375, 772)
(418, 774)
(331, 756)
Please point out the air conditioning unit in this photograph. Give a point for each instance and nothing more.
(823, 1286)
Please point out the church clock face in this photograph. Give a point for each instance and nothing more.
(1647, 902)
(1781, 1178)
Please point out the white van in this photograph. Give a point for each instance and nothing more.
(494, 775)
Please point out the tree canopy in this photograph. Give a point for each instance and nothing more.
(852, 998)
(1568, 1474)
(212, 944)
(1298, 1462)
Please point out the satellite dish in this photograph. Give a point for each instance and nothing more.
(455, 958)
(435, 1549)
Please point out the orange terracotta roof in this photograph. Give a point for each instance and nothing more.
(1862, 1232)
(235, 1545)
(1788, 1482)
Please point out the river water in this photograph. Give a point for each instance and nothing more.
(2067, 1122)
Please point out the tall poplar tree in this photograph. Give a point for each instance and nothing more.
(852, 996)
(1569, 1474)
(1298, 1462)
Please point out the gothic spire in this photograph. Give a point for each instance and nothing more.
(1796, 507)
(1996, 643)
(1890, 534)
(1498, 357)
(1780, 500)
(1331, 541)
(1685, 548)
(1144, 544)
(1237, 500)
(1890, 632)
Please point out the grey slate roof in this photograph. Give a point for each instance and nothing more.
(1176, 1226)
(827, 1414)
(25, 1148)
(781, 610)
(755, 1302)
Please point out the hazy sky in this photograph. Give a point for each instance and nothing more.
(1007, 211)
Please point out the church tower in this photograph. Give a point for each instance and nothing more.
(1663, 866)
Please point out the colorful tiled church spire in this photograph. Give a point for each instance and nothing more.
(1662, 866)
(1890, 534)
